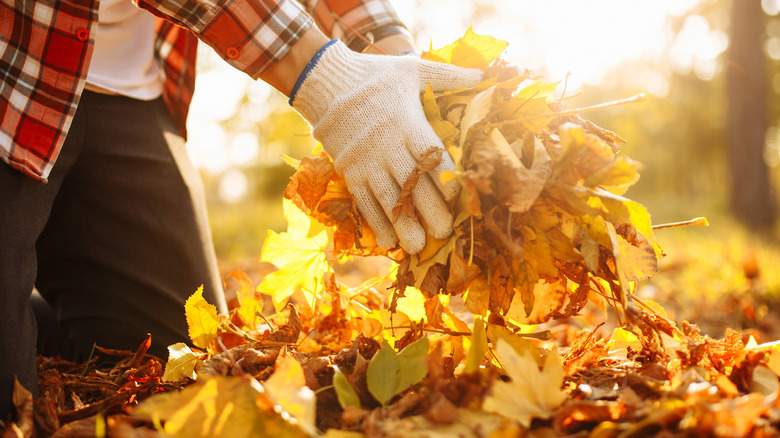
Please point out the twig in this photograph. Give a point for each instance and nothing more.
(430, 330)
(229, 327)
(543, 335)
(636, 98)
(649, 309)
(698, 222)
(565, 85)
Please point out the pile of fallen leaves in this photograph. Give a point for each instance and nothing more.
(302, 377)
(485, 334)
(540, 223)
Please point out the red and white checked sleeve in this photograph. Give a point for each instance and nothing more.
(249, 34)
(354, 16)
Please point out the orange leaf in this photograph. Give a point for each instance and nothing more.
(311, 180)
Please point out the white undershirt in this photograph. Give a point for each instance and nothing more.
(123, 59)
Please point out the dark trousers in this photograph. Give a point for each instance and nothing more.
(115, 242)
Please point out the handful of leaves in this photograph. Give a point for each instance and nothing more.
(541, 224)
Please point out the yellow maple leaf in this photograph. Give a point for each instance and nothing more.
(470, 51)
(299, 257)
(532, 393)
(202, 319)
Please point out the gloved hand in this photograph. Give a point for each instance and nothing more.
(366, 112)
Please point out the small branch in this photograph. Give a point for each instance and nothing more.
(230, 328)
(649, 309)
(565, 85)
(430, 330)
(633, 99)
(698, 222)
(636, 98)
(543, 335)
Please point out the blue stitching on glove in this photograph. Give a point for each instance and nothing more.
(309, 67)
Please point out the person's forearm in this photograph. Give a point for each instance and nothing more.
(393, 45)
(284, 74)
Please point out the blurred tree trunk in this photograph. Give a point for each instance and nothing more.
(752, 199)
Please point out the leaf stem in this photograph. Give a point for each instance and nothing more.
(323, 389)
(471, 250)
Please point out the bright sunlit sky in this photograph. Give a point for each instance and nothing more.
(590, 39)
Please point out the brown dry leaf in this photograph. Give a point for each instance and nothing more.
(434, 280)
(405, 204)
(520, 188)
(23, 404)
(730, 418)
(337, 205)
(585, 352)
(433, 311)
(461, 274)
(310, 181)
(477, 298)
(580, 415)
(502, 287)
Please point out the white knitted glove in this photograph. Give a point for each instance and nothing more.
(366, 112)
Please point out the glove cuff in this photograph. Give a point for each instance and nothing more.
(331, 72)
(309, 67)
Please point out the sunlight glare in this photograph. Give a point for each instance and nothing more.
(771, 7)
(206, 145)
(244, 148)
(598, 41)
(772, 147)
(233, 186)
(772, 48)
(697, 47)
(553, 37)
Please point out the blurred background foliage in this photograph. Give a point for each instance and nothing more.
(676, 51)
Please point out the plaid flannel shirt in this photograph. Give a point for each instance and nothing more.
(46, 46)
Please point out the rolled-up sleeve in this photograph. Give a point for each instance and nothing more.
(345, 19)
(250, 35)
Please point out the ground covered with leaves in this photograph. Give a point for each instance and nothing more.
(528, 321)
